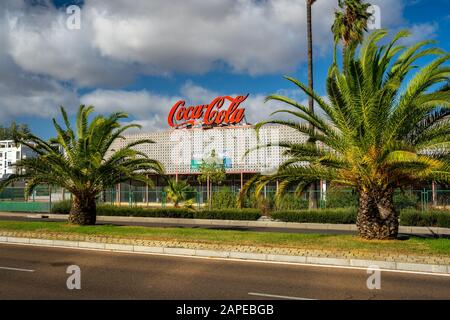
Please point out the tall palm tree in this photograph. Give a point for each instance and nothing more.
(313, 196)
(380, 132)
(81, 161)
(350, 23)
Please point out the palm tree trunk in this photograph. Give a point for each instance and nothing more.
(83, 210)
(377, 217)
(313, 196)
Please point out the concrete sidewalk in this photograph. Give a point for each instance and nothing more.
(261, 225)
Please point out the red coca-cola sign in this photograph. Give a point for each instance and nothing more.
(222, 110)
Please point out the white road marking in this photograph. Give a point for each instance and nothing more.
(277, 296)
(16, 269)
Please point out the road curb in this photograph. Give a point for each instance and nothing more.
(237, 223)
(246, 256)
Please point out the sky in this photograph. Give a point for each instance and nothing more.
(142, 56)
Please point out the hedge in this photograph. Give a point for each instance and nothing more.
(408, 217)
(111, 210)
(339, 215)
(431, 218)
(228, 214)
(63, 207)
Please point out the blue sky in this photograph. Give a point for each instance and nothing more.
(142, 58)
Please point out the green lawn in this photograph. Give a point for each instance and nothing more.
(412, 245)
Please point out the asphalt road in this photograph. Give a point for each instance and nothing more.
(32, 272)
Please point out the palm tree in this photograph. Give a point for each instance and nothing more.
(313, 196)
(350, 23)
(81, 163)
(179, 191)
(380, 132)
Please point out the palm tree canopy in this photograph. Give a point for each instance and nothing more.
(179, 191)
(378, 130)
(80, 160)
(351, 22)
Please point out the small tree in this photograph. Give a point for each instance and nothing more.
(212, 171)
(179, 191)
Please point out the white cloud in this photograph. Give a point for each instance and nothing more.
(25, 94)
(420, 32)
(43, 64)
(118, 41)
(39, 42)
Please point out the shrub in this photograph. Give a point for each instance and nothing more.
(341, 215)
(341, 198)
(431, 218)
(61, 207)
(292, 201)
(224, 198)
(229, 214)
(126, 211)
(405, 200)
(111, 210)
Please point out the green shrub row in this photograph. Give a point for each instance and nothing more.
(431, 218)
(341, 215)
(111, 210)
(228, 214)
(63, 207)
(408, 217)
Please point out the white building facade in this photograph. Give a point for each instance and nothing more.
(182, 150)
(10, 153)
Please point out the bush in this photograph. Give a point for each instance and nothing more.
(228, 214)
(224, 198)
(292, 201)
(341, 198)
(111, 210)
(341, 215)
(61, 207)
(405, 200)
(126, 211)
(432, 218)
(408, 217)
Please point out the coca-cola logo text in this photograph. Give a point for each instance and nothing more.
(211, 114)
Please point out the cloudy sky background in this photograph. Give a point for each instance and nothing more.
(141, 56)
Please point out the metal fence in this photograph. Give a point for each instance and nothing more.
(419, 199)
(42, 199)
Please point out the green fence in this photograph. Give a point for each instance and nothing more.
(13, 199)
(226, 196)
(10, 206)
